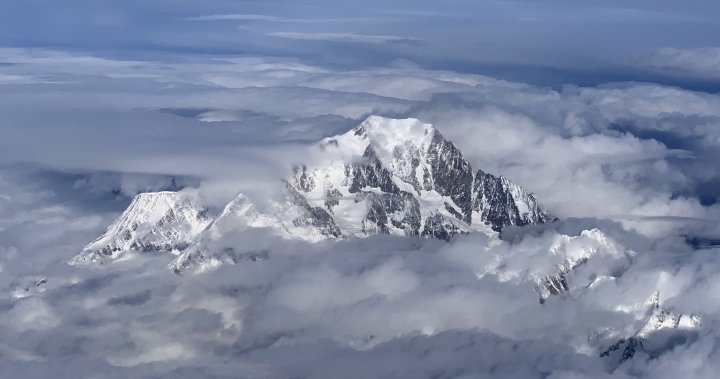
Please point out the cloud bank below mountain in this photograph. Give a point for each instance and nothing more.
(82, 134)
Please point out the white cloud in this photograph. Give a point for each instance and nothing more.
(630, 155)
(378, 306)
(587, 152)
(31, 313)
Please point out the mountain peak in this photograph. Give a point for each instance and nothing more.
(383, 134)
(154, 221)
(390, 131)
(407, 158)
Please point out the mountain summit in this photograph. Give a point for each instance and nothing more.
(385, 176)
(411, 181)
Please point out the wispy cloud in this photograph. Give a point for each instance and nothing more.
(345, 37)
(279, 19)
(699, 61)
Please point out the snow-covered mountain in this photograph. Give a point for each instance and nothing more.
(216, 244)
(399, 177)
(661, 329)
(403, 177)
(654, 327)
(385, 176)
(154, 221)
(580, 268)
(573, 252)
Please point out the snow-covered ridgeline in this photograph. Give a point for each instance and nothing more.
(384, 176)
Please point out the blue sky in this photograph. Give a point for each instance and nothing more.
(549, 43)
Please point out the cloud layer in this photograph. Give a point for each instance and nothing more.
(643, 154)
(81, 134)
(549, 43)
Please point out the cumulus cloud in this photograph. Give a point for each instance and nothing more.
(616, 143)
(641, 153)
(634, 160)
(145, 96)
(377, 307)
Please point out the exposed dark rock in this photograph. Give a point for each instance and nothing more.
(302, 180)
(453, 212)
(628, 346)
(316, 217)
(494, 201)
(370, 173)
(400, 210)
(332, 198)
(451, 174)
(438, 226)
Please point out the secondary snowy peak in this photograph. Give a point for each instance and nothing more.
(240, 214)
(154, 221)
(595, 269)
(661, 329)
(573, 252)
(217, 244)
